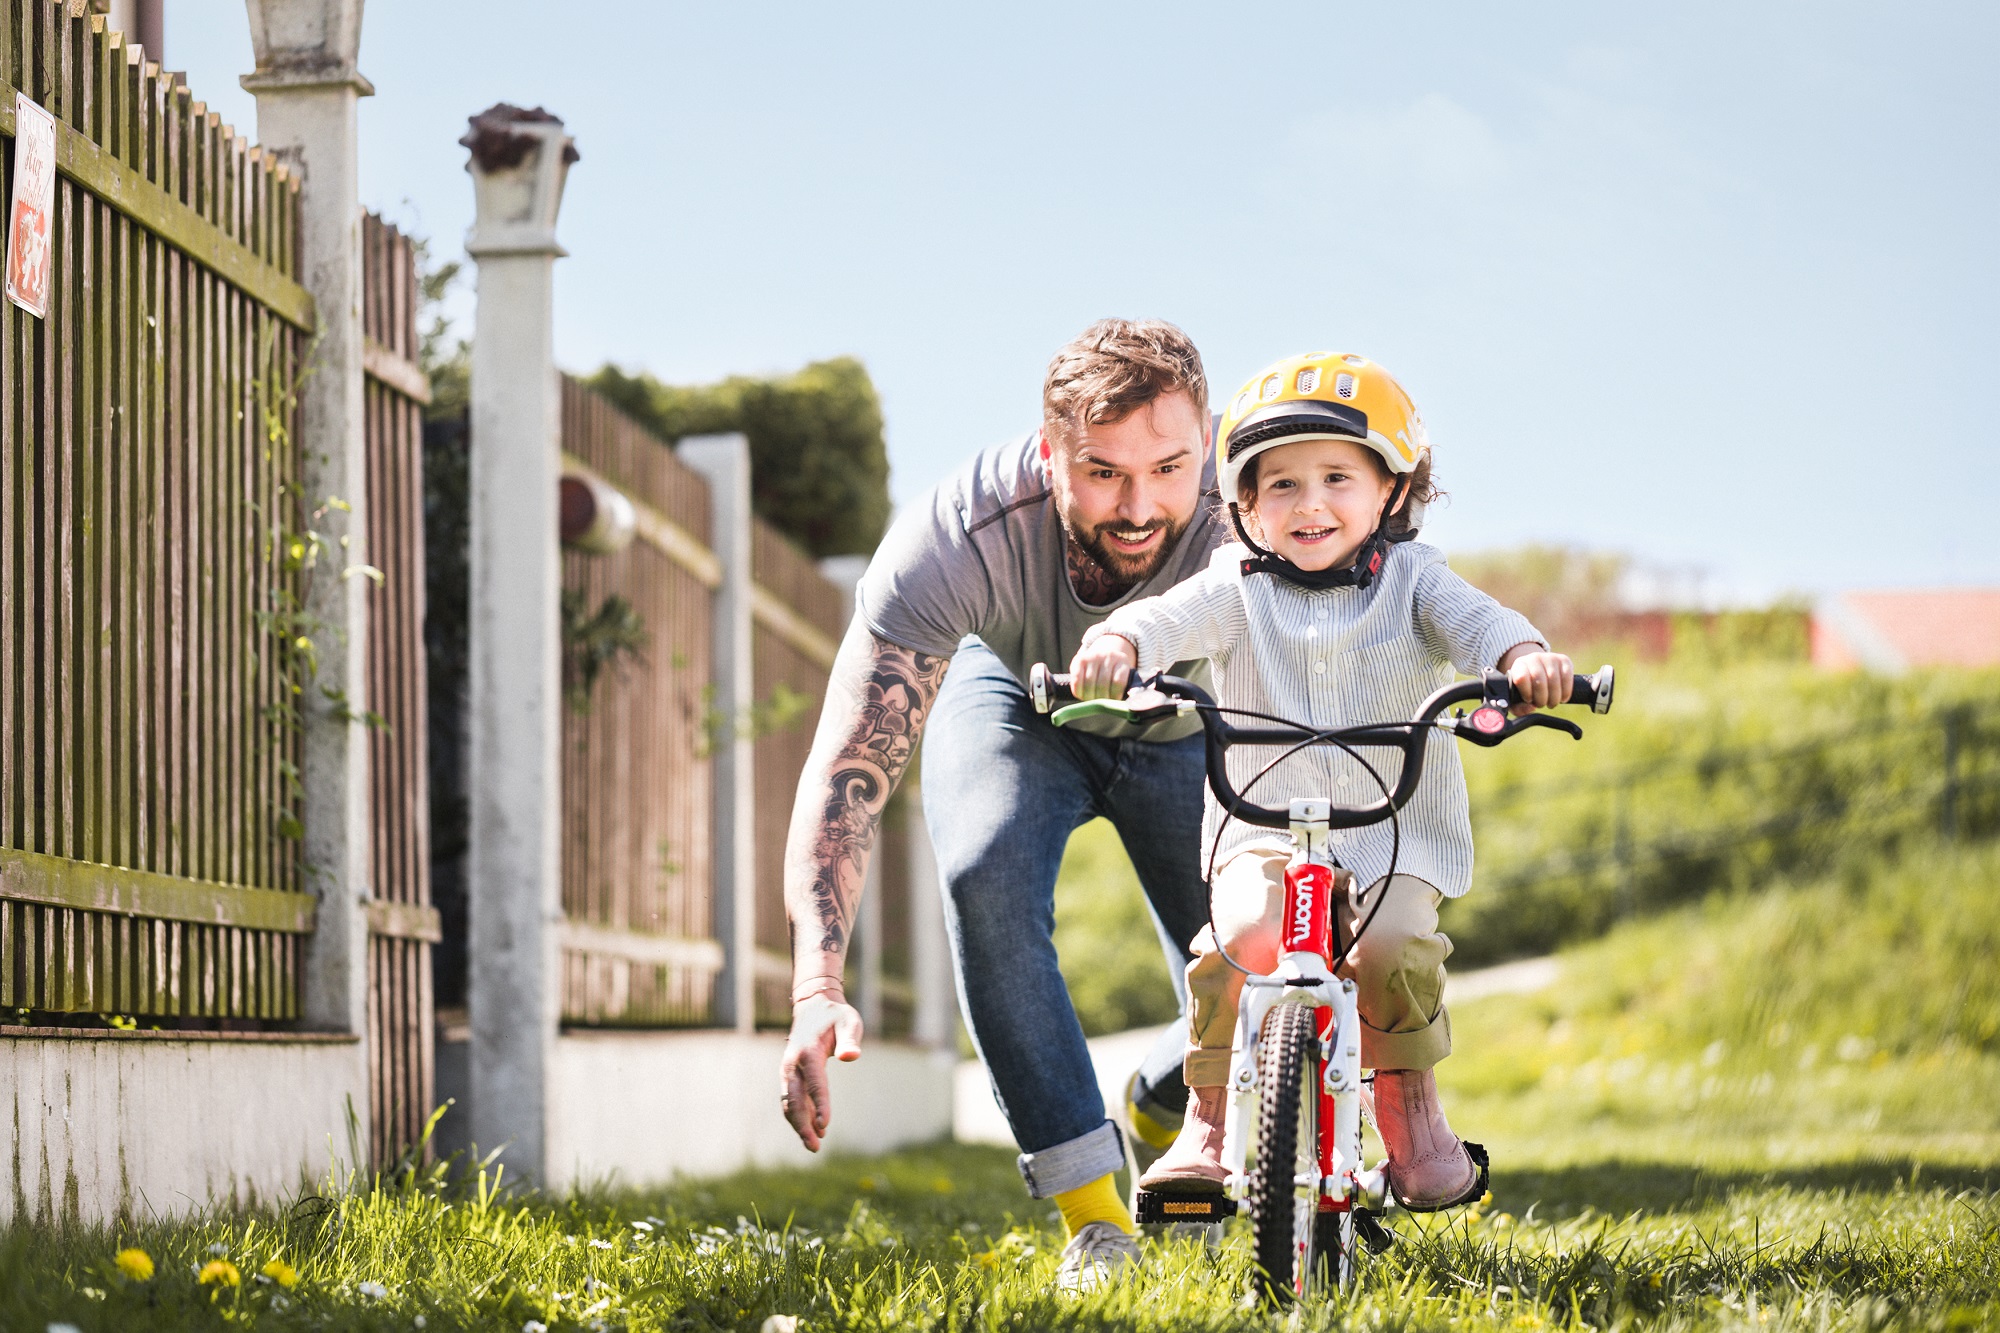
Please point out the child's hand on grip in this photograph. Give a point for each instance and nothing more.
(1542, 679)
(1102, 667)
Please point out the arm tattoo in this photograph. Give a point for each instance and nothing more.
(1095, 585)
(881, 711)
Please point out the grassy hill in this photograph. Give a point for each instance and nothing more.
(1854, 1017)
(1714, 774)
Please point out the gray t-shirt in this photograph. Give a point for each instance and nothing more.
(983, 555)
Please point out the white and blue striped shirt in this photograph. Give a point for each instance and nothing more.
(1335, 657)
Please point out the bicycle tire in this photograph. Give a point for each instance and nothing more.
(1335, 1243)
(1285, 1226)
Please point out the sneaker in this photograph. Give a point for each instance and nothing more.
(1095, 1255)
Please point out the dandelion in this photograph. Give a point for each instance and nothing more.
(374, 1291)
(281, 1273)
(135, 1264)
(219, 1273)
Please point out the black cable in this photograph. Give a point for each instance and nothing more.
(1330, 735)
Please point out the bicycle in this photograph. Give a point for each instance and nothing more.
(1292, 1141)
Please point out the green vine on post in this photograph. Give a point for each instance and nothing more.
(297, 545)
(593, 640)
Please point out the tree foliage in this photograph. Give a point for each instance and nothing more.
(819, 470)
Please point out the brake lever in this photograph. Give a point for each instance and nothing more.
(1167, 707)
(1489, 724)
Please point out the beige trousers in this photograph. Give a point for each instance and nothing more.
(1398, 967)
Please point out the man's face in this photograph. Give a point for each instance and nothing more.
(1127, 490)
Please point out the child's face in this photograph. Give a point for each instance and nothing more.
(1317, 500)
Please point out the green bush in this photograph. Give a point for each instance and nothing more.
(819, 470)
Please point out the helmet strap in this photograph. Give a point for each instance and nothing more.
(1397, 498)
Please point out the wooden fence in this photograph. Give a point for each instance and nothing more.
(797, 623)
(638, 944)
(402, 924)
(144, 444)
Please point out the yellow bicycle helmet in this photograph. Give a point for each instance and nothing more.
(1324, 396)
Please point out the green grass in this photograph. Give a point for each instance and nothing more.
(1769, 1112)
(1110, 953)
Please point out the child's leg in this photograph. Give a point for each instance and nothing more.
(1246, 898)
(1398, 970)
(1398, 967)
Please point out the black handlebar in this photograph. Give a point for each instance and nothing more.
(1488, 724)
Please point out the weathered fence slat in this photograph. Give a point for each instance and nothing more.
(402, 924)
(141, 867)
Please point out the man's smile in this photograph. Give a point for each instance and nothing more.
(1132, 539)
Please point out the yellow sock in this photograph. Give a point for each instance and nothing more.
(1150, 1131)
(1096, 1202)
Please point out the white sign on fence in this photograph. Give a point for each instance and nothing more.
(29, 260)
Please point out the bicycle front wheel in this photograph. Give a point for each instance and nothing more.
(1284, 1213)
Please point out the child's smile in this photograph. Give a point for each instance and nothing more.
(1317, 500)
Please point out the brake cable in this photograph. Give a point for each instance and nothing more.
(1330, 735)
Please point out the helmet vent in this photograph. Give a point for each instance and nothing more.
(1272, 386)
(1308, 379)
(1343, 386)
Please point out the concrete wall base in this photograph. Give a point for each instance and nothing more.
(643, 1107)
(152, 1125)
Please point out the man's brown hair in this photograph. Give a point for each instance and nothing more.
(1114, 368)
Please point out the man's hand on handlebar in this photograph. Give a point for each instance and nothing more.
(1102, 668)
(824, 1026)
(1542, 679)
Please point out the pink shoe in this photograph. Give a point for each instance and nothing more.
(1429, 1168)
(1194, 1163)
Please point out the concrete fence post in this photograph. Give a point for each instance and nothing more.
(864, 946)
(519, 161)
(724, 460)
(307, 86)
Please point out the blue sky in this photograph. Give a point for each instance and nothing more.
(1715, 285)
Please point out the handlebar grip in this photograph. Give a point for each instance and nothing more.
(1048, 688)
(1594, 690)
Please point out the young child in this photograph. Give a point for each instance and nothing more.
(1329, 614)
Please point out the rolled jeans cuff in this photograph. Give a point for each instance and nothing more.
(1067, 1166)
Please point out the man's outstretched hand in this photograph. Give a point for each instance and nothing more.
(823, 1027)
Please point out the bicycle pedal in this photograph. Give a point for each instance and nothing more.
(1166, 1206)
(1368, 1226)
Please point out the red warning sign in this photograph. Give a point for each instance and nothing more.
(30, 216)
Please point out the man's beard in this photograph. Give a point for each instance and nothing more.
(1121, 567)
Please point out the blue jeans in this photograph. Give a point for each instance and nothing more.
(1002, 791)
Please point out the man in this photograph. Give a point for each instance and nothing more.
(1003, 566)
